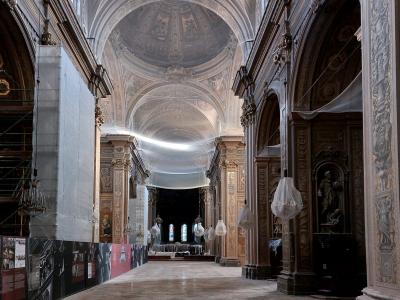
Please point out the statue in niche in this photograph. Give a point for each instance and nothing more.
(330, 198)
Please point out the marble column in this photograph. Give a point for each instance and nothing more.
(121, 163)
(381, 60)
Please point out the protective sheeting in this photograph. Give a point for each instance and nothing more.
(350, 100)
(287, 201)
(274, 150)
(220, 229)
(172, 165)
(245, 219)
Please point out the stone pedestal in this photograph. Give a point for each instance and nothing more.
(229, 262)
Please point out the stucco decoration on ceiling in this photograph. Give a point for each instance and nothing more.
(174, 33)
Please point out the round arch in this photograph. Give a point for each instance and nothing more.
(268, 125)
(212, 99)
(331, 36)
(113, 12)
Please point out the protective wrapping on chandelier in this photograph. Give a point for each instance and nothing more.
(198, 230)
(245, 219)
(287, 201)
(350, 100)
(220, 229)
(209, 234)
(155, 230)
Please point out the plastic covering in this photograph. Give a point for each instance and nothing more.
(209, 234)
(220, 229)
(287, 201)
(350, 100)
(245, 219)
(198, 230)
(155, 230)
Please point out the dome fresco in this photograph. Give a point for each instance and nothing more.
(174, 33)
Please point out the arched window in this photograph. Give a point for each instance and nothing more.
(171, 233)
(184, 233)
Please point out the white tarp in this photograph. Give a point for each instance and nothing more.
(350, 100)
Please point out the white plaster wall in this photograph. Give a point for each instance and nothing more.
(138, 213)
(66, 145)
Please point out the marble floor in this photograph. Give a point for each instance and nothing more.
(183, 280)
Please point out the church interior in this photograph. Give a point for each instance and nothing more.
(200, 149)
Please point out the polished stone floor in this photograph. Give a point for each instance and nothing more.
(183, 280)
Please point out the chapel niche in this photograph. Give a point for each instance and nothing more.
(327, 153)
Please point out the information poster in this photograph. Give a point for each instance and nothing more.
(20, 248)
(12, 274)
(121, 259)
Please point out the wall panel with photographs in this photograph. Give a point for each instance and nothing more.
(52, 269)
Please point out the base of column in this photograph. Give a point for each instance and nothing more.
(255, 272)
(296, 283)
(217, 259)
(371, 294)
(229, 262)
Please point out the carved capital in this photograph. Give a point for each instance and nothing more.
(120, 162)
(248, 113)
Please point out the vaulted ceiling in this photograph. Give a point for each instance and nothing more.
(172, 63)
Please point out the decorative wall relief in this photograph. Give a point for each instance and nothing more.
(106, 180)
(381, 97)
(302, 182)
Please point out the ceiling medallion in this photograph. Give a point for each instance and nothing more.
(4, 87)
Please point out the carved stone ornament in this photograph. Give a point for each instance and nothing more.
(282, 52)
(99, 116)
(381, 99)
(10, 3)
(4, 87)
(120, 162)
(247, 118)
(315, 5)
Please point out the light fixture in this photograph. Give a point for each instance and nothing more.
(220, 229)
(287, 202)
(245, 219)
(32, 201)
(198, 228)
(128, 227)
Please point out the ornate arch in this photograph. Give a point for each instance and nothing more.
(210, 97)
(112, 12)
(327, 45)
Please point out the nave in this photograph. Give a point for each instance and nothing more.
(184, 280)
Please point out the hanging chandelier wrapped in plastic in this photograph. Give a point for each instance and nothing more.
(209, 234)
(155, 230)
(287, 201)
(220, 229)
(245, 219)
(198, 230)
